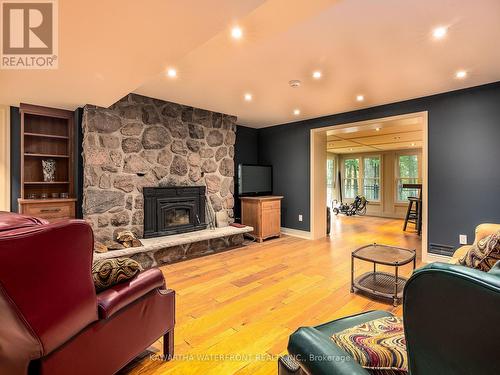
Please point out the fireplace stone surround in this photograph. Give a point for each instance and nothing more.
(141, 142)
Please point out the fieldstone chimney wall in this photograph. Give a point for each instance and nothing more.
(141, 141)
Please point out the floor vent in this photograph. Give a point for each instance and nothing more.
(447, 250)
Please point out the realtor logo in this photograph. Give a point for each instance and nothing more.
(29, 34)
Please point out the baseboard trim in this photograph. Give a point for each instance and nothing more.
(385, 216)
(296, 233)
(431, 258)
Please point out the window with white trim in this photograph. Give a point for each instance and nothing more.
(330, 180)
(351, 177)
(407, 172)
(371, 178)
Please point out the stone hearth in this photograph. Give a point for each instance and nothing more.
(144, 142)
(170, 249)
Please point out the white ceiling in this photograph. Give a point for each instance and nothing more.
(397, 134)
(109, 48)
(382, 49)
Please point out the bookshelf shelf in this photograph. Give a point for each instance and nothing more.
(52, 136)
(46, 183)
(46, 155)
(47, 133)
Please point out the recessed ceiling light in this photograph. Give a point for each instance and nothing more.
(439, 32)
(172, 73)
(461, 74)
(360, 98)
(317, 74)
(296, 112)
(377, 129)
(236, 32)
(413, 144)
(350, 149)
(248, 97)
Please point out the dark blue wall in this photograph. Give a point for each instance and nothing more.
(464, 153)
(246, 151)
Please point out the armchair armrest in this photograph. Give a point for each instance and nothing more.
(483, 230)
(118, 296)
(459, 254)
(318, 354)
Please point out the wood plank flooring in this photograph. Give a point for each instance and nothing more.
(235, 310)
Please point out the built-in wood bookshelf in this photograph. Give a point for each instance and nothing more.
(47, 133)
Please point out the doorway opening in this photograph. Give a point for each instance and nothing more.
(382, 161)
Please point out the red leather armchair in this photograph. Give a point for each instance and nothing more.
(52, 321)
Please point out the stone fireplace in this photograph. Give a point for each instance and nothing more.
(173, 210)
(140, 143)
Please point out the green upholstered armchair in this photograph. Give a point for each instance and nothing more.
(451, 319)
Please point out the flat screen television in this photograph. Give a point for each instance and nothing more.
(255, 179)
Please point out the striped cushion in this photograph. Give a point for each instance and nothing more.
(484, 254)
(108, 272)
(378, 345)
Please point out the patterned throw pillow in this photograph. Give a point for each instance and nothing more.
(378, 345)
(484, 254)
(108, 272)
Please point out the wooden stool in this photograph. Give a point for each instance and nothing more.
(414, 214)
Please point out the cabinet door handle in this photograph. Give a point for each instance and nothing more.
(46, 210)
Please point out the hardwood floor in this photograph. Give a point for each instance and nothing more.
(246, 302)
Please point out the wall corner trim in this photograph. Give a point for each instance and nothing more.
(5, 158)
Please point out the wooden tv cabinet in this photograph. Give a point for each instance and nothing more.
(263, 214)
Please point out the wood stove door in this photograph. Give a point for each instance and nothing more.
(176, 217)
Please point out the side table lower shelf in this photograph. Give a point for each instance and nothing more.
(380, 284)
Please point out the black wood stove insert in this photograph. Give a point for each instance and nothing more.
(173, 210)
